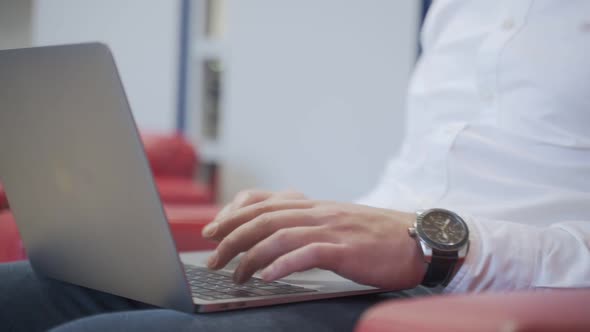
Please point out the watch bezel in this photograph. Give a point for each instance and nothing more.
(437, 245)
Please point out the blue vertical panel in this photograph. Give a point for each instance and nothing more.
(425, 6)
(184, 53)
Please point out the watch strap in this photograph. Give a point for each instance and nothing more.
(441, 269)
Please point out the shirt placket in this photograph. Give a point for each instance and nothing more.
(435, 171)
(489, 53)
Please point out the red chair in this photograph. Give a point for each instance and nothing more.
(186, 224)
(188, 203)
(3, 199)
(174, 163)
(11, 248)
(170, 155)
(541, 311)
(179, 191)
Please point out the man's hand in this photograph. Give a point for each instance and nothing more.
(284, 232)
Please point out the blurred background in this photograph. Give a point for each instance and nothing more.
(301, 94)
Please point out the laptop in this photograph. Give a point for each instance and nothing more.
(83, 196)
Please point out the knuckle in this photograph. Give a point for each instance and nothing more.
(284, 264)
(346, 227)
(252, 257)
(262, 207)
(317, 250)
(325, 256)
(244, 195)
(281, 235)
(247, 258)
(250, 196)
(291, 194)
(263, 222)
(331, 214)
(227, 245)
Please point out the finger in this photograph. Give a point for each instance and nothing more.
(247, 198)
(289, 194)
(223, 226)
(247, 235)
(276, 245)
(326, 256)
(244, 198)
(253, 196)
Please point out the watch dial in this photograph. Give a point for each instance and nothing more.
(443, 228)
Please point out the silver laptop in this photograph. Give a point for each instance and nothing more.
(83, 196)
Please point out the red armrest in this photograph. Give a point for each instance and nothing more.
(542, 311)
(3, 199)
(11, 248)
(183, 191)
(186, 224)
(170, 155)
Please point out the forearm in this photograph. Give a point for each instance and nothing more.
(507, 256)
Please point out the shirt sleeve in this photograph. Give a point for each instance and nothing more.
(510, 256)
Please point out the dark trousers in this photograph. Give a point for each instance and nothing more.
(29, 302)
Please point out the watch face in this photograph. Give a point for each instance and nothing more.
(442, 229)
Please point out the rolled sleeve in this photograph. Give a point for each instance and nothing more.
(502, 256)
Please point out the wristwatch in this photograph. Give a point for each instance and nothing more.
(443, 238)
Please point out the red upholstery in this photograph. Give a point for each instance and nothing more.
(186, 224)
(3, 200)
(173, 190)
(176, 190)
(173, 161)
(188, 204)
(543, 311)
(11, 248)
(170, 155)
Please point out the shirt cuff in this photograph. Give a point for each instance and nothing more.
(502, 256)
(458, 282)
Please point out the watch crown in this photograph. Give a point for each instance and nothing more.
(412, 231)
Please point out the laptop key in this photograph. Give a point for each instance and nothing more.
(210, 285)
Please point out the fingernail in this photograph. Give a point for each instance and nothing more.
(212, 261)
(210, 229)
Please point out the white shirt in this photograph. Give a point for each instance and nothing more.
(499, 131)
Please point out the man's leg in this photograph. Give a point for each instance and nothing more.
(32, 303)
(29, 302)
(327, 315)
(330, 315)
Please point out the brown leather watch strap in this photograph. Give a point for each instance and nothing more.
(441, 268)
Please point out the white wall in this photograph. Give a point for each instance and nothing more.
(315, 93)
(143, 36)
(15, 23)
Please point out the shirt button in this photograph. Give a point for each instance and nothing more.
(508, 24)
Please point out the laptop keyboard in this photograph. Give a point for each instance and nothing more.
(212, 285)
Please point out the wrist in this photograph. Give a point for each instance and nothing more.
(417, 263)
